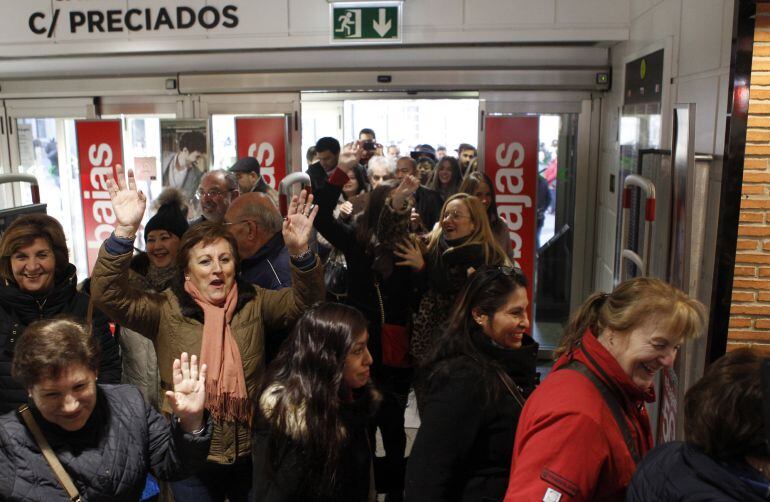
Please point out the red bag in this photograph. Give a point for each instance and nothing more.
(395, 346)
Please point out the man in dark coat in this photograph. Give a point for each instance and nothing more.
(256, 224)
(247, 170)
(327, 153)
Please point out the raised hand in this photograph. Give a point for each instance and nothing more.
(408, 186)
(189, 395)
(127, 202)
(415, 221)
(298, 223)
(410, 254)
(350, 157)
(346, 209)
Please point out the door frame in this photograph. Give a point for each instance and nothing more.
(588, 109)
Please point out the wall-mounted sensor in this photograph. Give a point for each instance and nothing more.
(170, 84)
(384, 79)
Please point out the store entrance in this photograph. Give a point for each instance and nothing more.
(445, 121)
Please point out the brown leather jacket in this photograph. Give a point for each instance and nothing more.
(175, 324)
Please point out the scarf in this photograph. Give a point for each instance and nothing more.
(159, 279)
(226, 396)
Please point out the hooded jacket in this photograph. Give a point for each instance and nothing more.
(568, 443)
(175, 323)
(19, 309)
(280, 466)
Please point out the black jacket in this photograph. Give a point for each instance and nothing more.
(396, 290)
(108, 459)
(269, 266)
(19, 309)
(280, 466)
(428, 204)
(682, 472)
(464, 446)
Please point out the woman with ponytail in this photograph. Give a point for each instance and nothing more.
(585, 429)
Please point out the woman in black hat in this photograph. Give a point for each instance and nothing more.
(153, 270)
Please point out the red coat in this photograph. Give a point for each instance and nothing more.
(567, 441)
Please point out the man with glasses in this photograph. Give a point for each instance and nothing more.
(247, 170)
(255, 223)
(218, 189)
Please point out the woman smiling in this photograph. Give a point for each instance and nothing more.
(477, 379)
(584, 430)
(208, 312)
(37, 281)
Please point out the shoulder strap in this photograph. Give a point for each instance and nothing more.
(511, 387)
(613, 403)
(49, 455)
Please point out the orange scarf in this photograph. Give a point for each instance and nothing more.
(226, 396)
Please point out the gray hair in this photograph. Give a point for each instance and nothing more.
(230, 178)
(381, 161)
(267, 217)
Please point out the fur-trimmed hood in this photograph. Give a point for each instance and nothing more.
(364, 405)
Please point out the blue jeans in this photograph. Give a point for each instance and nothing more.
(215, 483)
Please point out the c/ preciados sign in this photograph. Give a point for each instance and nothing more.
(134, 20)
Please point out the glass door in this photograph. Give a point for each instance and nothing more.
(42, 142)
(221, 110)
(564, 188)
(6, 190)
(141, 117)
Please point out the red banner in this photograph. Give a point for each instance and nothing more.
(100, 148)
(263, 138)
(510, 159)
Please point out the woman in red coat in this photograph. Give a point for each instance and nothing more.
(583, 431)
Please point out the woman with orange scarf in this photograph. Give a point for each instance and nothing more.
(208, 312)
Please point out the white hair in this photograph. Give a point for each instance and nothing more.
(381, 161)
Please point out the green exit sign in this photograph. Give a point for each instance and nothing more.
(365, 22)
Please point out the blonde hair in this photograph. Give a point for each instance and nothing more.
(631, 304)
(481, 234)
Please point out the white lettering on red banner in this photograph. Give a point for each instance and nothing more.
(263, 138)
(99, 150)
(510, 154)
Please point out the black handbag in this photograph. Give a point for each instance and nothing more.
(336, 276)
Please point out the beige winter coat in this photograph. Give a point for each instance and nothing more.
(175, 323)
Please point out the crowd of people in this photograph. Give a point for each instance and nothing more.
(247, 355)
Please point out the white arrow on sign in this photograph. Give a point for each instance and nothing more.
(382, 26)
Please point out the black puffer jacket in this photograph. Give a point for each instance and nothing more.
(108, 459)
(19, 309)
(681, 472)
(463, 449)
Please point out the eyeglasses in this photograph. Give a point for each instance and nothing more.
(454, 215)
(228, 223)
(214, 194)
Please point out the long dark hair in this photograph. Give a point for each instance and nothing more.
(486, 292)
(454, 182)
(303, 388)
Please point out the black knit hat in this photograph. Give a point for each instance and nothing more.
(170, 218)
